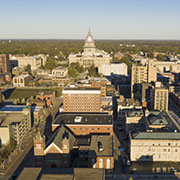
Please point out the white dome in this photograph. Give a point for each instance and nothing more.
(89, 37)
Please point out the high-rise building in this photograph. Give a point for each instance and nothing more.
(81, 99)
(142, 72)
(4, 63)
(159, 95)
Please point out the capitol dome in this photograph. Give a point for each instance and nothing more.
(89, 37)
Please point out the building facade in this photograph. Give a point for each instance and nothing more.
(59, 72)
(142, 72)
(20, 81)
(90, 55)
(159, 96)
(14, 126)
(4, 63)
(79, 99)
(109, 69)
(23, 61)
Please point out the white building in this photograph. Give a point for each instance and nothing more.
(108, 69)
(90, 55)
(59, 72)
(20, 81)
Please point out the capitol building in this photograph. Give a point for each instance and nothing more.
(90, 55)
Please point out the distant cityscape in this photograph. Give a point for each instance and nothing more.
(93, 115)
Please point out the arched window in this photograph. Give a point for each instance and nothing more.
(108, 163)
(100, 163)
(93, 163)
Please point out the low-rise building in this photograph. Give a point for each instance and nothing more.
(59, 72)
(45, 97)
(20, 81)
(22, 61)
(85, 123)
(95, 151)
(156, 138)
(116, 68)
(62, 81)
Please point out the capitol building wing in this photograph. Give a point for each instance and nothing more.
(90, 55)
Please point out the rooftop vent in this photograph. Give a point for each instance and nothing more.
(78, 118)
(100, 147)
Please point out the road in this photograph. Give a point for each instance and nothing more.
(18, 161)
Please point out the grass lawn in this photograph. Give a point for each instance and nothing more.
(27, 93)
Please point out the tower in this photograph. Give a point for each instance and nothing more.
(39, 145)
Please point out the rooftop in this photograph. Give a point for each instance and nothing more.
(6, 119)
(156, 135)
(83, 118)
(63, 174)
(101, 141)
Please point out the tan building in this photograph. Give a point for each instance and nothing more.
(155, 146)
(155, 138)
(90, 55)
(141, 72)
(159, 96)
(14, 125)
(79, 99)
(23, 61)
(59, 72)
(62, 81)
(20, 81)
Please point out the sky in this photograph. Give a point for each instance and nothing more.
(107, 19)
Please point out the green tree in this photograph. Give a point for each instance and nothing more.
(28, 68)
(150, 55)
(92, 70)
(72, 72)
(161, 57)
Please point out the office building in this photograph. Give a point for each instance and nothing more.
(14, 125)
(59, 72)
(21, 80)
(81, 99)
(142, 72)
(159, 96)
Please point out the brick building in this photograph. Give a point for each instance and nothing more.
(85, 123)
(64, 149)
(46, 98)
(81, 99)
(4, 63)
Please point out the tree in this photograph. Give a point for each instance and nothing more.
(161, 57)
(28, 68)
(23, 101)
(92, 70)
(3, 97)
(72, 72)
(150, 55)
(77, 66)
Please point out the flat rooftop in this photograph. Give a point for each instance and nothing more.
(8, 118)
(81, 88)
(105, 141)
(83, 118)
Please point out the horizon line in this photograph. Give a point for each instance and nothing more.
(9, 39)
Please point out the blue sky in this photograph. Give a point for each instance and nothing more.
(108, 19)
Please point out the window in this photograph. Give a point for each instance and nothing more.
(38, 146)
(100, 163)
(108, 163)
(65, 146)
